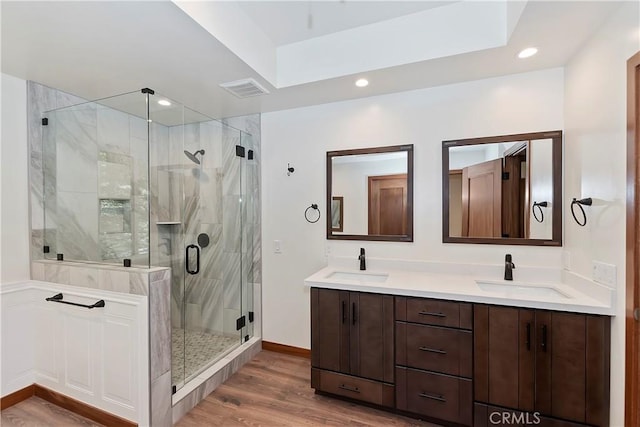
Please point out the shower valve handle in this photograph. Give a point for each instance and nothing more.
(187, 261)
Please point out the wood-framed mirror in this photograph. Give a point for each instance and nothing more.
(370, 194)
(503, 190)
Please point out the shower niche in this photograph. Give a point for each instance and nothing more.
(141, 177)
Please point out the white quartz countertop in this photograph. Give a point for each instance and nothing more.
(464, 287)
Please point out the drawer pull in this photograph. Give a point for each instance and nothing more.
(58, 298)
(345, 387)
(433, 397)
(432, 350)
(430, 313)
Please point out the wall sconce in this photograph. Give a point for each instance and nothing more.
(582, 202)
(539, 205)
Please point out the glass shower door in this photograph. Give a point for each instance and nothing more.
(211, 230)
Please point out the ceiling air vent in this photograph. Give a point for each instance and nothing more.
(244, 88)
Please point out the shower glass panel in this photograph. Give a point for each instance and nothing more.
(199, 233)
(250, 189)
(96, 181)
(139, 176)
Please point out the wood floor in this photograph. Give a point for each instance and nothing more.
(274, 390)
(36, 412)
(271, 390)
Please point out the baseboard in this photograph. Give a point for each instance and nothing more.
(286, 349)
(17, 396)
(65, 402)
(80, 408)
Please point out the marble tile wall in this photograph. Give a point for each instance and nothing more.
(160, 347)
(106, 277)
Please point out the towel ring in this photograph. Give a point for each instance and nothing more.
(539, 205)
(306, 213)
(586, 202)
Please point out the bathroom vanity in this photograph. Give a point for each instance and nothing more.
(457, 350)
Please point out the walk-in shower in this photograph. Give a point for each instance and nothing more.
(126, 180)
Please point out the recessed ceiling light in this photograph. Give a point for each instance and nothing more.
(164, 102)
(528, 52)
(362, 82)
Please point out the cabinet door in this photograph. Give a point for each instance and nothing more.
(371, 336)
(330, 329)
(504, 356)
(572, 366)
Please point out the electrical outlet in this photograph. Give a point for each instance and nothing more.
(277, 247)
(604, 273)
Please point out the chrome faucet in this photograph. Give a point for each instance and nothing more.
(508, 267)
(363, 262)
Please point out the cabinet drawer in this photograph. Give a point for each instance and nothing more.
(434, 312)
(434, 348)
(355, 388)
(434, 395)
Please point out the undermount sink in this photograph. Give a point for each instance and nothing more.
(519, 289)
(359, 277)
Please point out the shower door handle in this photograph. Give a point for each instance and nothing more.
(187, 261)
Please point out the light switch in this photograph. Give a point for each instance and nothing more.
(277, 246)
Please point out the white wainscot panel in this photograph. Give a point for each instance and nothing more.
(79, 356)
(17, 341)
(98, 356)
(47, 348)
(119, 354)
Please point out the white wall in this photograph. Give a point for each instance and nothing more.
(520, 103)
(595, 147)
(459, 159)
(541, 188)
(14, 255)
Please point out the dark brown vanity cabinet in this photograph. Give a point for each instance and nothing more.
(552, 363)
(352, 339)
(434, 359)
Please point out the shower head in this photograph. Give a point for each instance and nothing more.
(192, 156)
